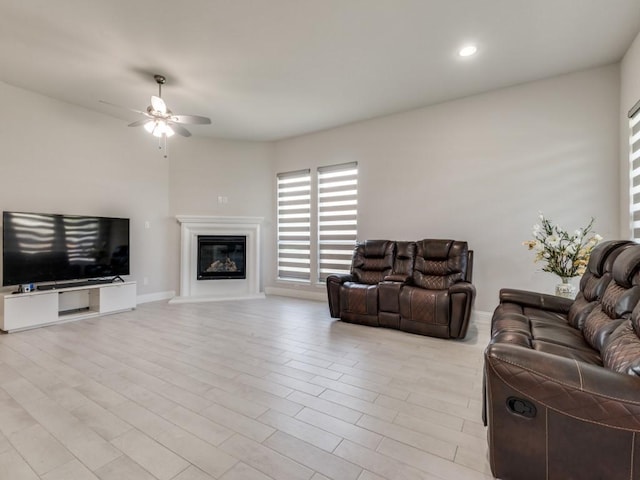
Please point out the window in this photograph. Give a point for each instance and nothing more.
(337, 218)
(634, 167)
(294, 225)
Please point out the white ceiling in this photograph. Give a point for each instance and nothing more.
(272, 69)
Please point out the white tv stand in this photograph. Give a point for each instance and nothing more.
(45, 307)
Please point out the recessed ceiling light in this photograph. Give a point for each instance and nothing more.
(467, 50)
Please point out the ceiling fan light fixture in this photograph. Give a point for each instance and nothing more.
(168, 131)
(161, 129)
(149, 126)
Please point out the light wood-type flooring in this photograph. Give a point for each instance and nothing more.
(244, 390)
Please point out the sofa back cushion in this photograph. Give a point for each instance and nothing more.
(405, 258)
(621, 352)
(595, 280)
(439, 263)
(600, 264)
(618, 301)
(372, 261)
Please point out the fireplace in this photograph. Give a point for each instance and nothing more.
(221, 257)
(193, 289)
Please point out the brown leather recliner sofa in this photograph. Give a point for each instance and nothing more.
(562, 377)
(420, 287)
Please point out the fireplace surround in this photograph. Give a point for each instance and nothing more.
(194, 289)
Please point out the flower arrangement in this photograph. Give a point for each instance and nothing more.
(565, 255)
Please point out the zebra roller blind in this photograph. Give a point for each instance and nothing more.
(634, 168)
(294, 225)
(337, 218)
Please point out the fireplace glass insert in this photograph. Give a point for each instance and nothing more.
(221, 257)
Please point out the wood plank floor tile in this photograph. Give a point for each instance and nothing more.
(331, 466)
(347, 430)
(270, 389)
(301, 430)
(40, 449)
(12, 465)
(150, 455)
(265, 459)
(74, 470)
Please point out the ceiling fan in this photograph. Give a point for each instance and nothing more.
(162, 122)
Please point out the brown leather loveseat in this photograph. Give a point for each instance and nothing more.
(562, 377)
(420, 287)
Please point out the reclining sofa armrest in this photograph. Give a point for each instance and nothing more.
(397, 277)
(461, 296)
(585, 392)
(556, 417)
(334, 282)
(541, 301)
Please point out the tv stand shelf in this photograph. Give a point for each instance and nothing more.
(46, 307)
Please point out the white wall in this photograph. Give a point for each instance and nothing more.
(209, 168)
(629, 95)
(480, 168)
(59, 158)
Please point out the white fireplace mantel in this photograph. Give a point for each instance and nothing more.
(194, 290)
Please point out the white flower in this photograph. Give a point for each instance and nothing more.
(571, 248)
(597, 237)
(553, 240)
(578, 233)
(536, 229)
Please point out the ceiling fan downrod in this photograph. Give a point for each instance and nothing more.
(160, 80)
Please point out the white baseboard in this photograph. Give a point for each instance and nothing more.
(155, 297)
(213, 298)
(295, 293)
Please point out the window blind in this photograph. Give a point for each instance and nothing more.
(294, 225)
(337, 218)
(634, 167)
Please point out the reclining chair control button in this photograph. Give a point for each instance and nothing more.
(521, 407)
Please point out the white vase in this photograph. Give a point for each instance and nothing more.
(565, 289)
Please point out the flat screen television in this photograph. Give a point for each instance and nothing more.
(45, 247)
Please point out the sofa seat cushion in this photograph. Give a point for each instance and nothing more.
(510, 323)
(527, 332)
(579, 354)
(359, 303)
(509, 310)
(425, 311)
(559, 335)
(546, 316)
(430, 306)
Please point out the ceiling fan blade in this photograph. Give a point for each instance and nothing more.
(191, 119)
(158, 104)
(179, 129)
(125, 108)
(137, 123)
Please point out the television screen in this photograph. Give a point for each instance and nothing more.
(42, 247)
